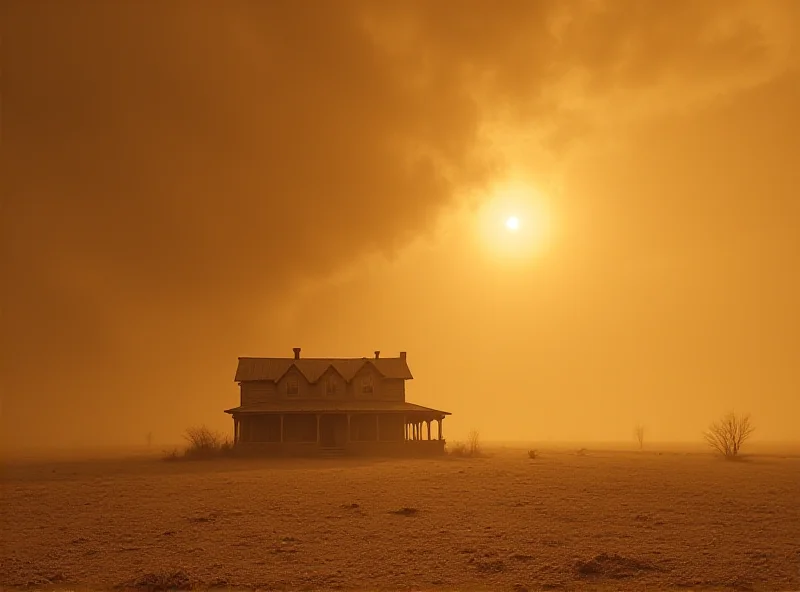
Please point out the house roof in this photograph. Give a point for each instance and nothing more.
(327, 406)
(313, 368)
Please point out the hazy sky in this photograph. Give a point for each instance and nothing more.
(188, 182)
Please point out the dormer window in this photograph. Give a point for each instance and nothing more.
(366, 385)
(331, 387)
(292, 387)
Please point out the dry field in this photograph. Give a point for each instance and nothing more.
(599, 520)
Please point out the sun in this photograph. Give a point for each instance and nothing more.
(512, 223)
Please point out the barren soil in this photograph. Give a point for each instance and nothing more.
(599, 520)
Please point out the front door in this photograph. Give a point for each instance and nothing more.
(327, 431)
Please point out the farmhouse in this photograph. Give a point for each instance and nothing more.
(332, 405)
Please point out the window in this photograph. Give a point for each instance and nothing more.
(292, 387)
(331, 387)
(366, 385)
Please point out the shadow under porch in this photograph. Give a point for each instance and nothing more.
(352, 433)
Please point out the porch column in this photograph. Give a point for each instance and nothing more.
(348, 428)
(405, 428)
(377, 427)
(441, 428)
(281, 428)
(317, 428)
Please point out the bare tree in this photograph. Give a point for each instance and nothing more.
(474, 443)
(727, 435)
(639, 433)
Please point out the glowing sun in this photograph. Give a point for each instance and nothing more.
(512, 223)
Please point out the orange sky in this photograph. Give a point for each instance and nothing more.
(189, 182)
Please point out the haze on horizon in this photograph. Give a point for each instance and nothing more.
(189, 182)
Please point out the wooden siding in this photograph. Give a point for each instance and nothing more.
(392, 389)
(261, 391)
(383, 389)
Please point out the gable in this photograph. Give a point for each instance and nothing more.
(331, 373)
(292, 374)
(367, 371)
(332, 383)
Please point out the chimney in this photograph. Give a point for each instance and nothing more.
(296, 351)
(377, 354)
(402, 355)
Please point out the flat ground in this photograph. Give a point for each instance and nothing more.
(598, 520)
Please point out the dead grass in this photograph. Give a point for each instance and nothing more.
(607, 521)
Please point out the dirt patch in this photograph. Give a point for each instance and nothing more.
(405, 511)
(160, 581)
(615, 567)
(203, 519)
(488, 566)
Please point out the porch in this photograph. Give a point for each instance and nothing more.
(361, 432)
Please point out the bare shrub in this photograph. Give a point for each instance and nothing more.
(205, 443)
(226, 448)
(638, 431)
(171, 454)
(727, 435)
(457, 449)
(201, 438)
(533, 454)
(470, 448)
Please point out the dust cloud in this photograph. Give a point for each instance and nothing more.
(182, 180)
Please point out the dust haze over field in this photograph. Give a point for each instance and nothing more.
(576, 217)
(599, 520)
(188, 182)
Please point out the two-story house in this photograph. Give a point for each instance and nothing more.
(358, 405)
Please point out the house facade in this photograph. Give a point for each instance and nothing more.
(302, 405)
